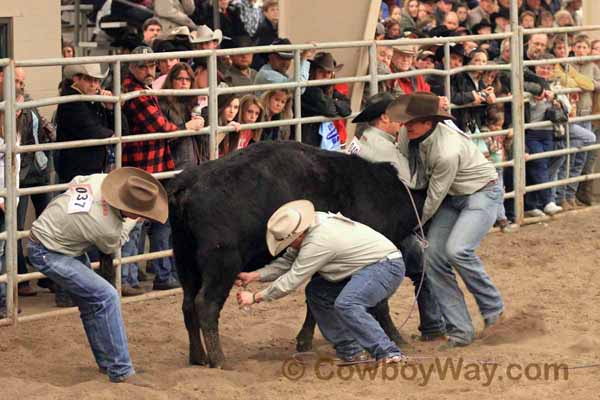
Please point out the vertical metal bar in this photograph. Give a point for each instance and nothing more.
(374, 85)
(298, 94)
(447, 78)
(213, 105)
(216, 14)
(77, 27)
(518, 115)
(10, 182)
(118, 152)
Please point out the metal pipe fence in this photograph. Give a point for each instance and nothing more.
(11, 149)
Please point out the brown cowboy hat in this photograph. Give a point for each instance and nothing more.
(326, 61)
(136, 191)
(287, 223)
(416, 106)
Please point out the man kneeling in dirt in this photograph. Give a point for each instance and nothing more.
(356, 267)
(93, 212)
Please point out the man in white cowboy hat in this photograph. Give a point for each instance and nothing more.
(205, 38)
(97, 210)
(462, 202)
(356, 267)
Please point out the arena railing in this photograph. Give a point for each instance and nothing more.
(213, 91)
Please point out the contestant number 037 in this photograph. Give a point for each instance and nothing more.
(81, 199)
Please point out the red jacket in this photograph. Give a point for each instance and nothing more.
(144, 116)
(413, 84)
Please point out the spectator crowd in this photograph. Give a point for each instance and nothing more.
(180, 25)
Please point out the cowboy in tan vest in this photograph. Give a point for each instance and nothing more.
(96, 211)
(356, 267)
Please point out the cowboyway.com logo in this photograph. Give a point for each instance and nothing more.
(422, 373)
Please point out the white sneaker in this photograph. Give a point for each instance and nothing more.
(536, 212)
(551, 208)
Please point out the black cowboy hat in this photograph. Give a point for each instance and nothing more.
(455, 48)
(325, 61)
(484, 23)
(375, 106)
(416, 107)
(289, 54)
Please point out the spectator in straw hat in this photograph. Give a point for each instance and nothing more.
(98, 210)
(348, 266)
(205, 38)
(462, 202)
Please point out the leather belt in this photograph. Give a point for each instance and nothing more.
(393, 256)
(493, 182)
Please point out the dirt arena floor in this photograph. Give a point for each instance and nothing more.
(548, 274)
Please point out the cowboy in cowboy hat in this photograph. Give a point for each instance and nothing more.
(462, 202)
(378, 144)
(205, 38)
(96, 211)
(357, 268)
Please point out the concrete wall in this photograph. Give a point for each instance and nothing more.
(36, 32)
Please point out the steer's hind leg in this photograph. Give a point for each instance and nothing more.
(190, 316)
(381, 312)
(304, 339)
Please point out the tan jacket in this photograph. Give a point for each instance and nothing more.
(334, 246)
(453, 166)
(73, 234)
(175, 13)
(591, 70)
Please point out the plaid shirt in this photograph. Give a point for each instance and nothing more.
(144, 116)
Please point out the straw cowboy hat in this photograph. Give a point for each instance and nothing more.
(408, 50)
(205, 34)
(287, 223)
(416, 107)
(93, 70)
(135, 191)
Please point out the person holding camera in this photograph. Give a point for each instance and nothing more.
(468, 88)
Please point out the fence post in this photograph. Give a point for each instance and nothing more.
(447, 67)
(374, 85)
(298, 94)
(10, 202)
(213, 105)
(518, 116)
(118, 152)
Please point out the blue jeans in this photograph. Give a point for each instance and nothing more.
(536, 171)
(98, 304)
(455, 233)
(129, 271)
(579, 137)
(340, 308)
(431, 320)
(160, 239)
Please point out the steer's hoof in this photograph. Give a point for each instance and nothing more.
(303, 346)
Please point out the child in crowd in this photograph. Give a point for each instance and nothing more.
(278, 106)
(229, 106)
(251, 111)
(496, 152)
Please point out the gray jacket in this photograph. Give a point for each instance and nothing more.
(453, 166)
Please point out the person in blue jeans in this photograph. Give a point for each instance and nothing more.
(352, 267)
(98, 211)
(463, 197)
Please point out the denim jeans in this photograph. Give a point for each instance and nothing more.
(39, 201)
(455, 233)
(98, 304)
(431, 320)
(129, 271)
(579, 137)
(536, 171)
(340, 308)
(160, 239)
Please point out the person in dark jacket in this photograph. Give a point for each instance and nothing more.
(267, 30)
(325, 101)
(83, 120)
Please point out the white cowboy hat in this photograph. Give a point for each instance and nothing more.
(205, 34)
(93, 70)
(287, 223)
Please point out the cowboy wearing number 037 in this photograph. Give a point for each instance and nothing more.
(96, 211)
(355, 268)
(462, 201)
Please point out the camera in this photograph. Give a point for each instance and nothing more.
(484, 95)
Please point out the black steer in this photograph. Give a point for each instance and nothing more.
(219, 213)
